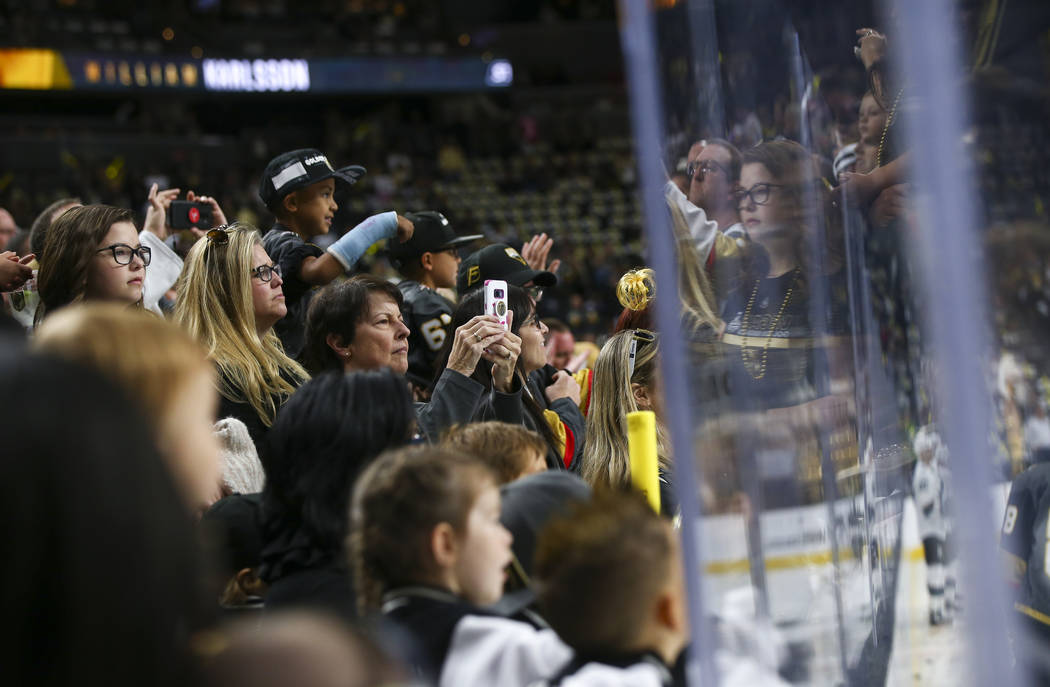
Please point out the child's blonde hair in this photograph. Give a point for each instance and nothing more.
(506, 448)
(148, 357)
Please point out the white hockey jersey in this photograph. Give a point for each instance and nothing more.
(929, 491)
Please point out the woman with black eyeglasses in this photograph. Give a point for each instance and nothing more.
(769, 332)
(93, 253)
(229, 298)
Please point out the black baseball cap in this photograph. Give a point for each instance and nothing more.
(499, 261)
(527, 504)
(432, 234)
(298, 169)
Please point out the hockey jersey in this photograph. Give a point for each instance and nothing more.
(428, 316)
(1025, 533)
(928, 491)
(457, 643)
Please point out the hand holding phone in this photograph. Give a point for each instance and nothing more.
(185, 214)
(496, 300)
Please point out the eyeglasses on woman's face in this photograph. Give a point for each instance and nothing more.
(264, 273)
(123, 254)
(759, 194)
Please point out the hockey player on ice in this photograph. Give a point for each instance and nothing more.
(929, 487)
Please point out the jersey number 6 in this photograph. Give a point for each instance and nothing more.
(434, 331)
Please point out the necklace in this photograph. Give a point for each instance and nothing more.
(886, 129)
(746, 354)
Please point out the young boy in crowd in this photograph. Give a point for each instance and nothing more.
(428, 261)
(610, 583)
(512, 451)
(299, 188)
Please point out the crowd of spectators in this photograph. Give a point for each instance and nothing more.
(407, 483)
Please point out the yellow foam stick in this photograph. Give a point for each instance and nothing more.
(641, 443)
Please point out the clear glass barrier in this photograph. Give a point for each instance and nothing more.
(845, 209)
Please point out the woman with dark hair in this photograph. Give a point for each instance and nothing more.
(326, 433)
(93, 253)
(357, 325)
(549, 398)
(769, 333)
(101, 585)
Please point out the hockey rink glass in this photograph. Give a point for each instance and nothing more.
(855, 377)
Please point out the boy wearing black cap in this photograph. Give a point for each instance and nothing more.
(299, 187)
(428, 261)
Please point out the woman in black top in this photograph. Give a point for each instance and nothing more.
(323, 437)
(229, 298)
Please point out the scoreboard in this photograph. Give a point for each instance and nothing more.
(43, 69)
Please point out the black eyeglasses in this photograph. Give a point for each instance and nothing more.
(759, 194)
(123, 254)
(705, 167)
(535, 293)
(638, 335)
(265, 272)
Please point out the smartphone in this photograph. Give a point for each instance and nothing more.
(496, 300)
(183, 214)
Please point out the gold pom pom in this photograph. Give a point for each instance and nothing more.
(636, 289)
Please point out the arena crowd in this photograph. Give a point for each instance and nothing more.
(235, 457)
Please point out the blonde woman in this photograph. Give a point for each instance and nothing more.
(161, 369)
(229, 298)
(626, 379)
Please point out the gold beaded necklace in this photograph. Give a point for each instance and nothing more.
(746, 355)
(886, 129)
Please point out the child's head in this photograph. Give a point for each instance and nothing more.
(162, 369)
(427, 516)
(512, 451)
(298, 187)
(431, 256)
(609, 578)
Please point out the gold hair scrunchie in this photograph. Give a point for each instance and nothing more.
(636, 289)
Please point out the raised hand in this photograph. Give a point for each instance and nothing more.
(217, 215)
(564, 386)
(156, 214)
(470, 341)
(405, 229)
(536, 252)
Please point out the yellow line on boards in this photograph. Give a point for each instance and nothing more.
(799, 560)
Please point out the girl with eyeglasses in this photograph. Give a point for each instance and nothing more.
(93, 254)
(229, 298)
(769, 334)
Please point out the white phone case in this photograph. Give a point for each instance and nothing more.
(496, 300)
